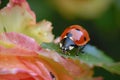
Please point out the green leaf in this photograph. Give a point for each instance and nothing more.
(95, 56)
(92, 56)
(114, 68)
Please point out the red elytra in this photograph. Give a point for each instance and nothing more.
(79, 35)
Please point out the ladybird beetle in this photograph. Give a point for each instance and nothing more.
(74, 36)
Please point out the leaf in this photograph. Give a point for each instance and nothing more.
(92, 57)
(95, 56)
(114, 68)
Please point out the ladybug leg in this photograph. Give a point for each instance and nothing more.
(80, 49)
(77, 51)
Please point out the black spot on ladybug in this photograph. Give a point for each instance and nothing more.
(84, 38)
(69, 35)
(78, 29)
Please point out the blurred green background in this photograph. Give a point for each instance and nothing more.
(101, 18)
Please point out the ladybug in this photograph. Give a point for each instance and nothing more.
(74, 36)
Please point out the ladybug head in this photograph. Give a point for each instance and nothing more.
(67, 43)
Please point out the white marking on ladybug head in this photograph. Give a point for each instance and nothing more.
(71, 47)
(60, 45)
(64, 48)
(65, 37)
(71, 38)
